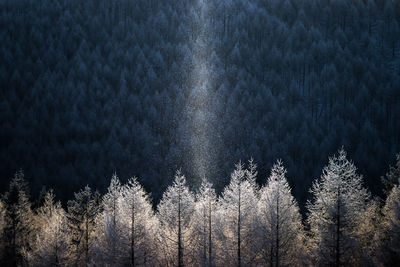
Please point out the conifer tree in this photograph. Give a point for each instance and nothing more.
(108, 225)
(237, 218)
(18, 228)
(138, 225)
(338, 207)
(279, 221)
(389, 234)
(175, 212)
(51, 239)
(206, 203)
(82, 213)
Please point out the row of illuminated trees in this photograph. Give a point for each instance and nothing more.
(246, 225)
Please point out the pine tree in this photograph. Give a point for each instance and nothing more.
(82, 213)
(52, 240)
(138, 225)
(18, 228)
(279, 221)
(338, 208)
(175, 211)
(236, 219)
(206, 203)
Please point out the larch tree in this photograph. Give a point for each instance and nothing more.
(279, 221)
(389, 238)
(236, 218)
(108, 225)
(82, 214)
(338, 207)
(138, 224)
(175, 212)
(392, 178)
(51, 239)
(18, 227)
(2, 225)
(206, 203)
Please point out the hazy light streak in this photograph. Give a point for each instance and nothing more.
(199, 102)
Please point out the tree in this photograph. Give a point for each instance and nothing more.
(2, 225)
(206, 203)
(138, 225)
(174, 213)
(279, 221)
(18, 228)
(389, 239)
(392, 178)
(52, 240)
(108, 225)
(338, 207)
(236, 219)
(82, 213)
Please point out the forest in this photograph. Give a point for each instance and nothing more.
(234, 126)
(89, 88)
(247, 225)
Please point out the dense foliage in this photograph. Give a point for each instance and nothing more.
(93, 87)
(246, 225)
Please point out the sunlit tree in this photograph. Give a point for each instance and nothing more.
(2, 225)
(51, 237)
(18, 228)
(279, 221)
(175, 212)
(203, 225)
(82, 213)
(335, 213)
(108, 232)
(236, 219)
(389, 238)
(138, 225)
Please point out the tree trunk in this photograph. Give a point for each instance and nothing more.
(209, 235)
(277, 233)
(133, 234)
(238, 233)
(337, 256)
(180, 256)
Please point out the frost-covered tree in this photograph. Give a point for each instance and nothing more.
(236, 219)
(392, 178)
(18, 227)
(335, 213)
(138, 224)
(82, 213)
(206, 203)
(175, 212)
(2, 225)
(51, 237)
(279, 221)
(389, 238)
(108, 231)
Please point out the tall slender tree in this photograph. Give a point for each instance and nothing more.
(389, 238)
(138, 225)
(338, 207)
(279, 221)
(236, 219)
(51, 239)
(82, 213)
(175, 212)
(108, 225)
(206, 203)
(19, 226)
